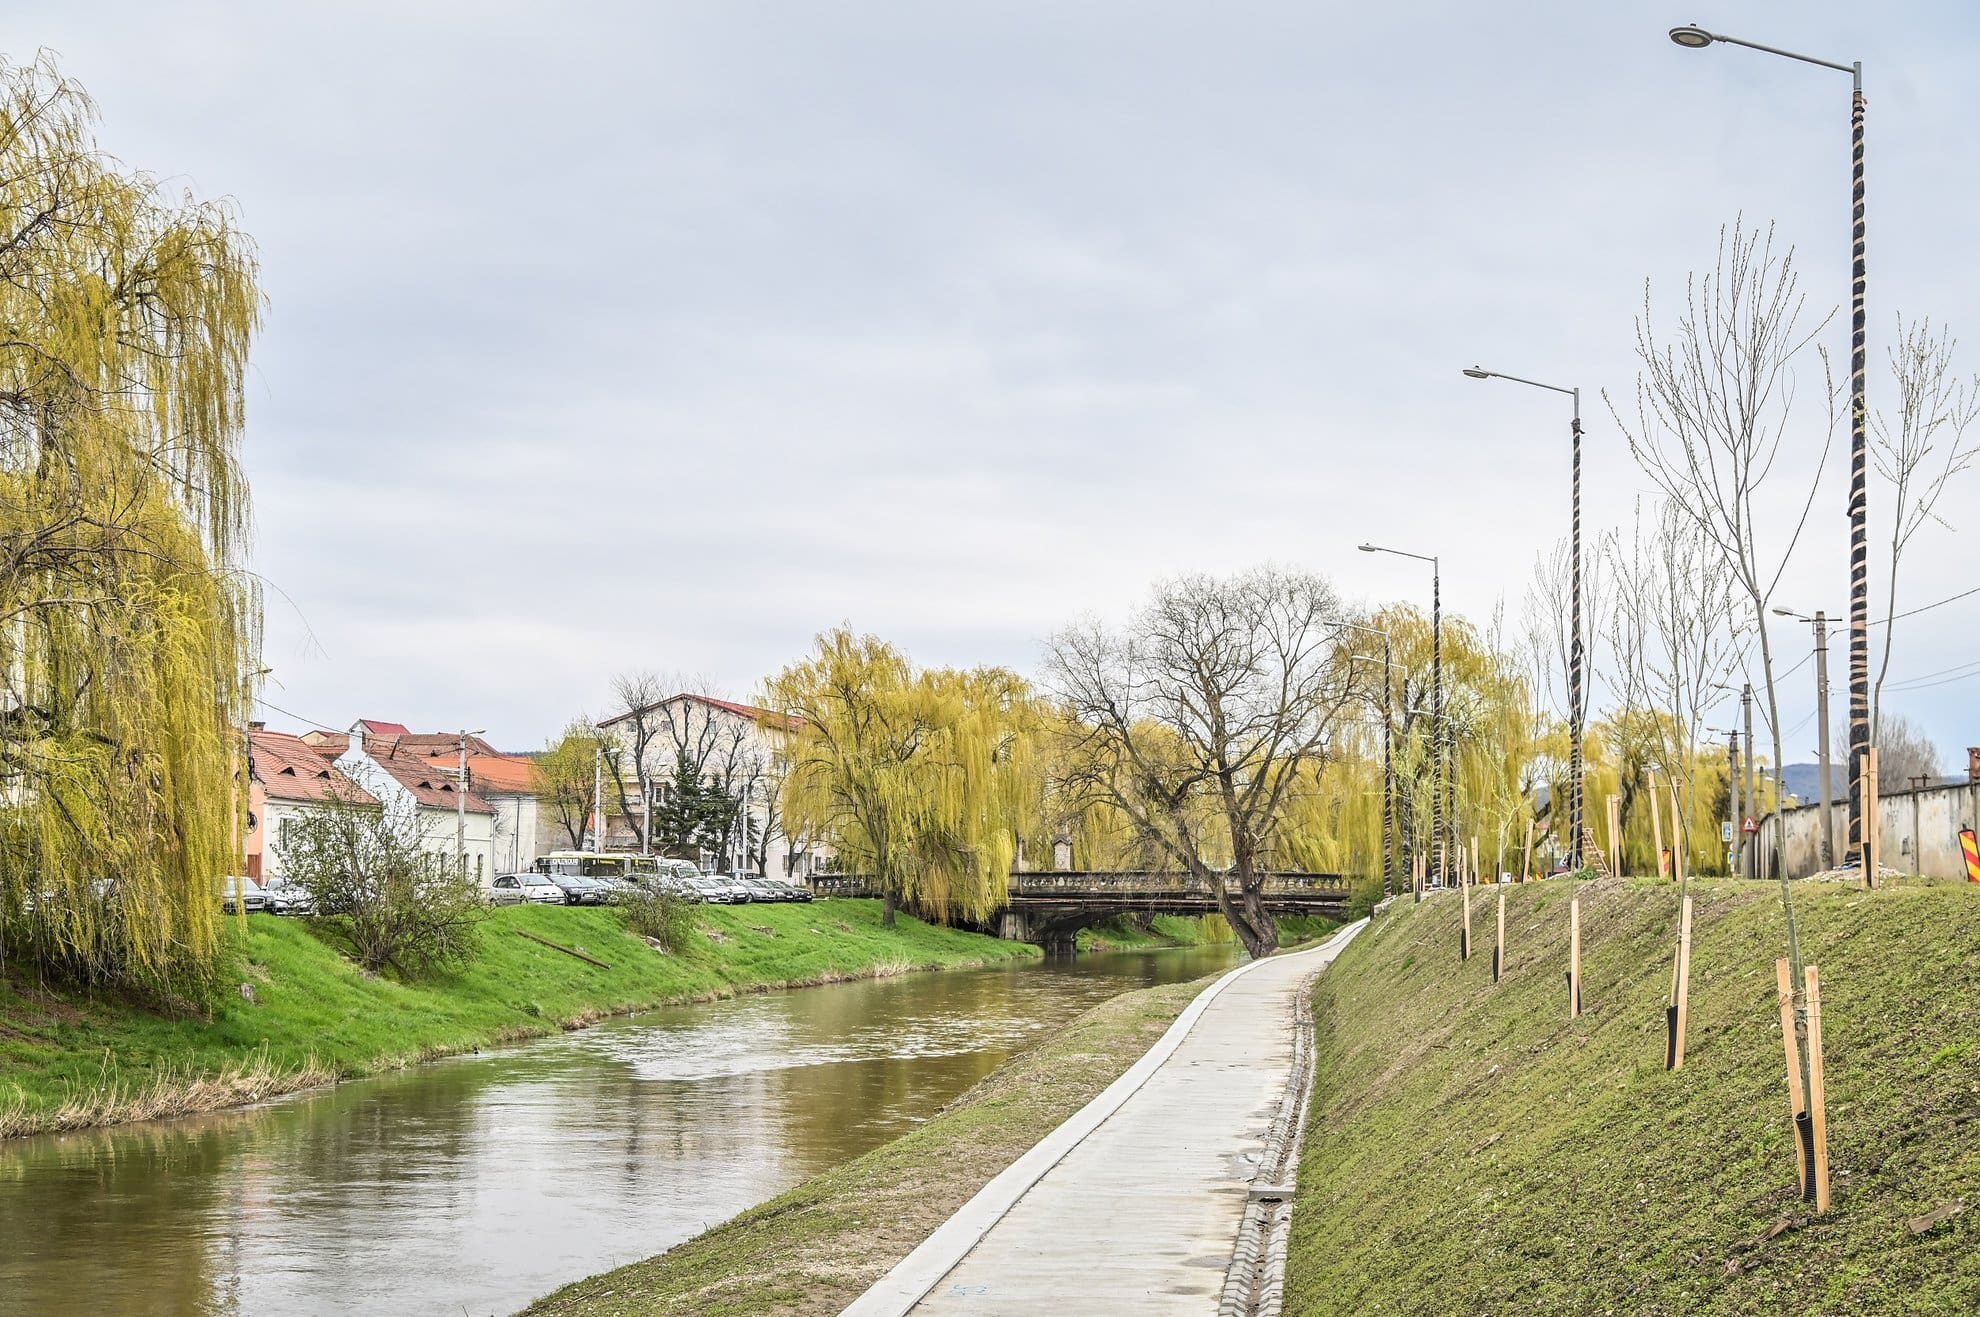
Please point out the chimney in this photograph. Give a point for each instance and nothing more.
(1973, 763)
(257, 727)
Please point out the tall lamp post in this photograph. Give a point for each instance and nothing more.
(1440, 779)
(1693, 37)
(1577, 703)
(1388, 760)
(1821, 624)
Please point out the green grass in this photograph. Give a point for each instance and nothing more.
(816, 1247)
(1472, 1150)
(68, 1059)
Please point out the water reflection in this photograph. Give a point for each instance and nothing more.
(475, 1184)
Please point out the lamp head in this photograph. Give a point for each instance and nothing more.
(1368, 548)
(1692, 37)
(1477, 374)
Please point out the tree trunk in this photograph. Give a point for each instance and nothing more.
(888, 906)
(1247, 917)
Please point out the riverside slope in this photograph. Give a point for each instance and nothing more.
(1472, 1150)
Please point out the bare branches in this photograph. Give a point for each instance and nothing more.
(1200, 720)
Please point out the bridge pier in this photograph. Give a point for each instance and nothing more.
(1058, 939)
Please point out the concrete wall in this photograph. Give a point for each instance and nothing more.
(1919, 831)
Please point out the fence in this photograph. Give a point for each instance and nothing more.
(1919, 831)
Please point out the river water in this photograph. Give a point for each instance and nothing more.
(476, 1184)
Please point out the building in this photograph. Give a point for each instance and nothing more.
(287, 775)
(523, 831)
(728, 743)
(414, 779)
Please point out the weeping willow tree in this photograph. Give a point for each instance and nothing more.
(126, 630)
(919, 780)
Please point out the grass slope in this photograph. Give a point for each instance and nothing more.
(812, 1250)
(68, 1059)
(1472, 1150)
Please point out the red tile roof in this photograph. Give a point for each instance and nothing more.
(373, 727)
(289, 768)
(423, 776)
(502, 775)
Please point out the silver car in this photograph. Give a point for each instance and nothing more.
(247, 891)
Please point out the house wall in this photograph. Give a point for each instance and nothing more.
(432, 824)
(523, 831)
(1918, 831)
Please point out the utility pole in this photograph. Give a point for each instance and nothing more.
(460, 809)
(1746, 850)
(598, 795)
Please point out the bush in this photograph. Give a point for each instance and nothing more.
(665, 917)
(379, 893)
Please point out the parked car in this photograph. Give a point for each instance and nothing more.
(788, 890)
(518, 888)
(576, 890)
(249, 893)
(286, 896)
(764, 889)
(718, 891)
(611, 890)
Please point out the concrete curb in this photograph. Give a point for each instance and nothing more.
(897, 1292)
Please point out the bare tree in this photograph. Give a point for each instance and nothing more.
(1713, 402)
(1199, 720)
(1674, 630)
(1918, 453)
(1904, 754)
(629, 742)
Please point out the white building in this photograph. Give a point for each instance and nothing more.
(729, 744)
(420, 787)
(288, 776)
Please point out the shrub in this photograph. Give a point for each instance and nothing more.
(665, 917)
(379, 892)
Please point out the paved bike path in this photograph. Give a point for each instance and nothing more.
(1133, 1204)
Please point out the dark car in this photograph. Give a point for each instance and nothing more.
(576, 890)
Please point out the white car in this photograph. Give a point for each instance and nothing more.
(518, 888)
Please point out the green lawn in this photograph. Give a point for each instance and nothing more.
(314, 1015)
(1472, 1150)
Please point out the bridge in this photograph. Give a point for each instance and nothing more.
(1050, 907)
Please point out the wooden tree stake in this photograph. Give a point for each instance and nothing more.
(1464, 939)
(1474, 857)
(1499, 947)
(1784, 982)
(1871, 810)
(1526, 856)
(1657, 826)
(1818, 1111)
(1680, 988)
(1574, 957)
(1677, 837)
(1615, 836)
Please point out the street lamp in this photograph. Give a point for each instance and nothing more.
(1694, 37)
(1577, 709)
(1821, 624)
(1439, 771)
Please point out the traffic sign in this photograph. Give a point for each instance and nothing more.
(1726, 831)
(1749, 826)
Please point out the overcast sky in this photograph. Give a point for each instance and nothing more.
(654, 335)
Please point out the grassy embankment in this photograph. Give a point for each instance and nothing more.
(68, 1060)
(1472, 1150)
(814, 1248)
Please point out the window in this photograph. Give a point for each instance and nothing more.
(282, 834)
(477, 868)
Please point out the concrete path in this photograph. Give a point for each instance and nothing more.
(1133, 1205)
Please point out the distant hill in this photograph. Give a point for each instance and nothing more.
(1804, 781)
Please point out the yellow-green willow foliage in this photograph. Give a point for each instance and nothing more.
(918, 780)
(1333, 822)
(125, 628)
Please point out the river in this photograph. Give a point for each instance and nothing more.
(476, 1184)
